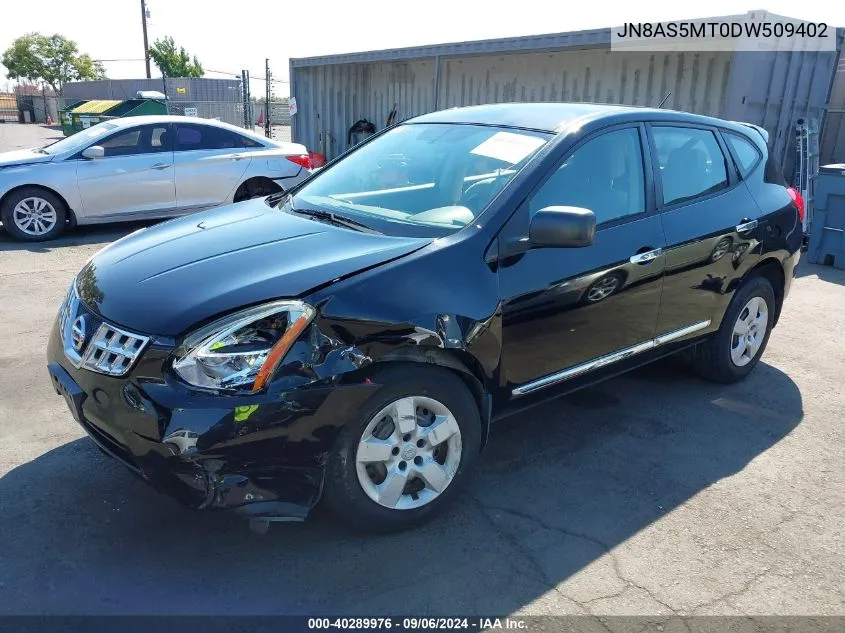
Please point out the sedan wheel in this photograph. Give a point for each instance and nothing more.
(34, 216)
(409, 453)
(749, 331)
(603, 288)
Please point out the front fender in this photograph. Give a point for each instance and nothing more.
(441, 301)
(57, 176)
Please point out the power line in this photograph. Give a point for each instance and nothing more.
(207, 70)
(257, 77)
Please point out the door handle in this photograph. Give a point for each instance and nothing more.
(746, 226)
(237, 156)
(161, 166)
(647, 257)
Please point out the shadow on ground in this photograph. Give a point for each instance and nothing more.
(94, 234)
(558, 487)
(825, 273)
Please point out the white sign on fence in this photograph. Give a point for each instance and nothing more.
(292, 105)
(191, 112)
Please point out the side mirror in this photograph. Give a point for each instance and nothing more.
(562, 227)
(95, 151)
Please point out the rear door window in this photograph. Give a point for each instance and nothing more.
(205, 137)
(690, 162)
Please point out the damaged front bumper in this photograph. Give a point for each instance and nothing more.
(261, 455)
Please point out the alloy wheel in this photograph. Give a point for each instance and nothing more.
(603, 289)
(409, 453)
(34, 216)
(749, 331)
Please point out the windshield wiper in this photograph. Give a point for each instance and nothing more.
(275, 198)
(334, 218)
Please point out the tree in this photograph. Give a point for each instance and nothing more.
(173, 63)
(53, 59)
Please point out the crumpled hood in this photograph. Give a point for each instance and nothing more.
(23, 157)
(165, 279)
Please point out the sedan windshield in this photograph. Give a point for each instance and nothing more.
(80, 140)
(421, 179)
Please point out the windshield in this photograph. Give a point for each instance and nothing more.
(80, 140)
(421, 179)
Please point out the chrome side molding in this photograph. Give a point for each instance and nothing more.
(608, 359)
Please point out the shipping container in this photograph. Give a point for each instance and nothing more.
(176, 89)
(773, 89)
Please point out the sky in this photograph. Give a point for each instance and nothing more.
(228, 35)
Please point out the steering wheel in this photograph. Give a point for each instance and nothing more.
(478, 194)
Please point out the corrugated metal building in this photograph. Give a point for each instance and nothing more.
(772, 89)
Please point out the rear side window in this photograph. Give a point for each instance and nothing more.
(746, 153)
(248, 142)
(690, 162)
(205, 137)
(604, 175)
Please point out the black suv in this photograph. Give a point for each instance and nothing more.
(353, 338)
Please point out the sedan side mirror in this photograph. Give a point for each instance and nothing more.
(562, 227)
(95, 151)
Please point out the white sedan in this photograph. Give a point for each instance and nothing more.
(146, 167)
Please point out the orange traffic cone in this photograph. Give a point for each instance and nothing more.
(49, 120)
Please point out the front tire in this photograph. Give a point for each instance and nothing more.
(734, 350)
(408, 453)
(32, 214)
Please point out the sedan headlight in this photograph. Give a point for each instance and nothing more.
(243, 350)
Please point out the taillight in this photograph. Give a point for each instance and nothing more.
(303, 160)
(798, 199)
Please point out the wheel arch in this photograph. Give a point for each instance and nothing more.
(71, 215)
(238, 196)
(772, 270)
(460, 363)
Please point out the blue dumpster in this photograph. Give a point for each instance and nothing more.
(827, 234)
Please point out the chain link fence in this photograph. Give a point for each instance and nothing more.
(228, 112)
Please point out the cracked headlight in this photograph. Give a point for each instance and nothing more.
(242, 351)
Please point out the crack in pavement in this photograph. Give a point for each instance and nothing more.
(543, 577)
(726, 597)
(35, 272)
(590, 539)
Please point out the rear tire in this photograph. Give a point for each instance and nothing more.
(430, 451)
(729, 355)
(32, 214)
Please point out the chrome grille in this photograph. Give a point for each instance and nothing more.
(109, 350)
(112, 350)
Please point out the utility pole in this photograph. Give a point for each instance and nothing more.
(146, 43)
(267, 128)
(245, 95)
